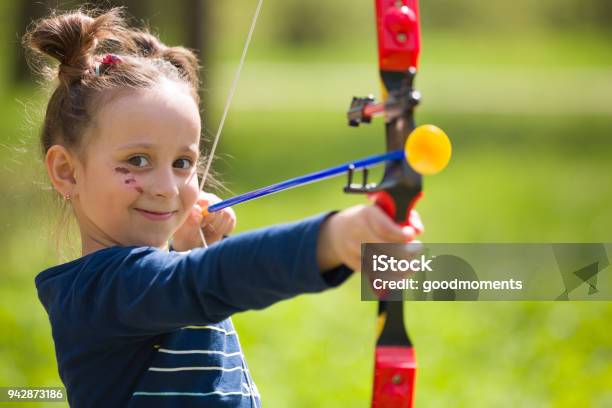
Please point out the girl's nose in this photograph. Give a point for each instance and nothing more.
(164, 184)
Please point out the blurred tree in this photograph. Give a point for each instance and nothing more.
(570, 13)
(603, 13)
(299, 23)
(198, 34)
(27, 11)
(479, 15)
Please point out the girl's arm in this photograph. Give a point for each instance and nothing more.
(146, 291)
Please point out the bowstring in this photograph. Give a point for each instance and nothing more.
(228, 102)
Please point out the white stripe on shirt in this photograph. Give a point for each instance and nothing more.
(222, 330)
(190, 394)
(209, 368)
(162, 350)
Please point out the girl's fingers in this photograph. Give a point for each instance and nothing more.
(384, 229)
(383, 226)
(205, 200)
(389, 231)
(216, 227)
(414, 219)
(410, 233)
(196, 216)
(218, 224)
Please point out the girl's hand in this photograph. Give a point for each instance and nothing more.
(341, 235)
(215, 225)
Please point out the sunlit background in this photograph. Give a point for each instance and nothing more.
(524, 90)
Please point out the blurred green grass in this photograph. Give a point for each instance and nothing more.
(532, 145)
(550, 183)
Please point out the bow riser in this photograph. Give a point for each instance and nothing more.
(399, 42)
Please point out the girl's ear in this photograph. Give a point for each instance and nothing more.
(60, 164)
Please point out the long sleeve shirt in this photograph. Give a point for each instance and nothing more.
(143, 327)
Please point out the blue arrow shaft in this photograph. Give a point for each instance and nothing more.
(308, 178)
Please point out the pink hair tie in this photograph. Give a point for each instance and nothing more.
(108, 60)
(111, 59)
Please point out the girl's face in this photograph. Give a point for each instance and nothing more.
(137, 182)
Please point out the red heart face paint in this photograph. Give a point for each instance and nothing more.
(129, 180)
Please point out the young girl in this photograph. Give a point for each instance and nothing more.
(134, 323)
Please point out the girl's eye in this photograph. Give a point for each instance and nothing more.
(138, 161)
(183, 164)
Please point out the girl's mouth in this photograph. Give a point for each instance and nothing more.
(155, 216)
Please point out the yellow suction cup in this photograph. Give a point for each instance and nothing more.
(428, 149)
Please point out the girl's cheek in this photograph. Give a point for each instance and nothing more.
(190, 195)
(129, 179)
(192, 189)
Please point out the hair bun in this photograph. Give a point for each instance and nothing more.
(148, 45)
(72, 39)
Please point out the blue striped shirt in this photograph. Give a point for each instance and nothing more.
(142, 327)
